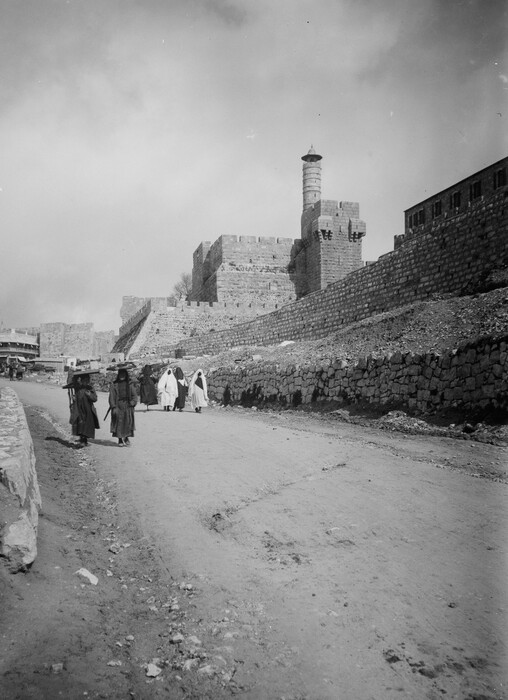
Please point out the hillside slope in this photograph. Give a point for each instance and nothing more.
(433, 326)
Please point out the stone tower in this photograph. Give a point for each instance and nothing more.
(331, 235)
(311, 178)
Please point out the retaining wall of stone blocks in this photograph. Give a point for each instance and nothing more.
(473, 377)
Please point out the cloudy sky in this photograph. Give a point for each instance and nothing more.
(131, 130)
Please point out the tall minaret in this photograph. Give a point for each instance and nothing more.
(311, 178)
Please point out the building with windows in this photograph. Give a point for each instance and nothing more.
(14, 343)
(461, 198)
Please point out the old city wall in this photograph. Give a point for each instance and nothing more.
(131, 305)
(103, 343)
(330, 246)
(473, 377)
(75, 339)
(240, 268)
(157, 332)
(454, 256)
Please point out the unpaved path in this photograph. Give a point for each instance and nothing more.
(310, 559)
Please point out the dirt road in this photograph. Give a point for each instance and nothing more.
(296, 557)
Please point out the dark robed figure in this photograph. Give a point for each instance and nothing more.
(122, 399)
(82, 396)
(182, 389)
(147, 389)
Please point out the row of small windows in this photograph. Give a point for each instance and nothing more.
(475, 191)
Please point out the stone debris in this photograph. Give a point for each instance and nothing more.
(190, 664)
(57, 668)
(91, 578)
(177, 638)
(152, 670)
(114, 662)
(207, 670)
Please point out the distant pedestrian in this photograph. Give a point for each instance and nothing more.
(82, 396)
(167, 389)
(11, 373)
(147, 389)
(122, 399)
(182, 389)
(198, 391)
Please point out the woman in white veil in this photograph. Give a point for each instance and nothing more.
(167, 390)
(198, 391)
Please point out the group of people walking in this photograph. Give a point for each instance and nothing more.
(172, 388)
(170, 391)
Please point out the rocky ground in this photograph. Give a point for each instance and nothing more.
(258, 554)
(64, 635)
(433, 326)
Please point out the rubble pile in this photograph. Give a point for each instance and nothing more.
(435, 326)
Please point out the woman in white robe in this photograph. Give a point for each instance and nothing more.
(167, 390)
(198, 391)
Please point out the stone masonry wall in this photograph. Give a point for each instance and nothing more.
(156, 327)
(163, 328)
(240, 268)
(75, 339)
(454, 257)
(473, 377)
(331, 244)
(103, 343)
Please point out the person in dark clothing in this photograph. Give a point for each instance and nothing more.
(82, 396)
(147, 389)
(11, 373)
(122, 399)
(182, 389)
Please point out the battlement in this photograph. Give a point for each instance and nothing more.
(138, 316)
(244, 286)
(232, 267)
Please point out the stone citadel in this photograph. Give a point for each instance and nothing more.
(306, 288)
(280, 270)
(238, 278)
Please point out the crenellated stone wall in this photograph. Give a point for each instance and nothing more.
(454, 257)
(241, 269)
(473, 377)
(155, 328)
(330, 247)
